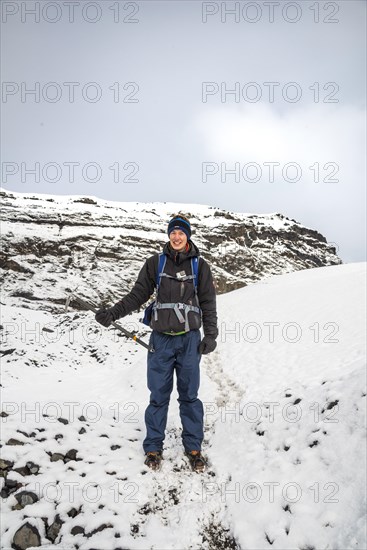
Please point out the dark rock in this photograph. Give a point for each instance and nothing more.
(331, 405)
(54, 529)
(219, 537)
(11, 482)
(56, 456)
(145, 509)
(86, 200)
(77, 530)
(73, 512)
(24, 498)
(173, 495)
(71, 455)
(13, 441)
(6, 352)
(82, 431)
(9, 487)
(58, 436)
(23, 293)
(6, 464)
(26, 537)
(63, 420)
(32, 467)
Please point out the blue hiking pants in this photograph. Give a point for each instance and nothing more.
(171, 353)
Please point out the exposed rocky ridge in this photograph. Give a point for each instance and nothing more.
(51, 244)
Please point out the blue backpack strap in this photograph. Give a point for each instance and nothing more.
(151, 309)
(195, 271)
(161, 264)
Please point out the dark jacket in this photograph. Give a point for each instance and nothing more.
(174, 290)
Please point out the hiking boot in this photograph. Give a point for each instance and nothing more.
(153, 459)
(197, 461)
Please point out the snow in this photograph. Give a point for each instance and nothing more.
(57, 204)
(284, 424)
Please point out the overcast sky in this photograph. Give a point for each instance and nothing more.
(249, 106)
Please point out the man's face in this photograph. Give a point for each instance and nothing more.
(177, 239)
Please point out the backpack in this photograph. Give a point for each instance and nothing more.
(154, 306)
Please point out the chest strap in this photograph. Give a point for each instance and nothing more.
(177, 307)
(179, 279)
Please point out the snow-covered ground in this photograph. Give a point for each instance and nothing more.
(284, 397)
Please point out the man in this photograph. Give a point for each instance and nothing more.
(182, 305)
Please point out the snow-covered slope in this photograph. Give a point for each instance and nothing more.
(284, 395)
(298, 354)
(54, 243)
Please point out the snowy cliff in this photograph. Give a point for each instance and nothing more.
(51, 244)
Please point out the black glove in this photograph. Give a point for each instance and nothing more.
(105, 316)
(207, 345)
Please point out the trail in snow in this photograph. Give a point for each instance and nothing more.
(176, 492)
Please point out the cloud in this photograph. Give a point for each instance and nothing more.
(258, 133)
(329, 138)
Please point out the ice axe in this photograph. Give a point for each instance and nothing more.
(87, 305)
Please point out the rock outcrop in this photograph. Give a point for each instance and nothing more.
(53, 244)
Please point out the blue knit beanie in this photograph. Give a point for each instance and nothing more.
(179, 222)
